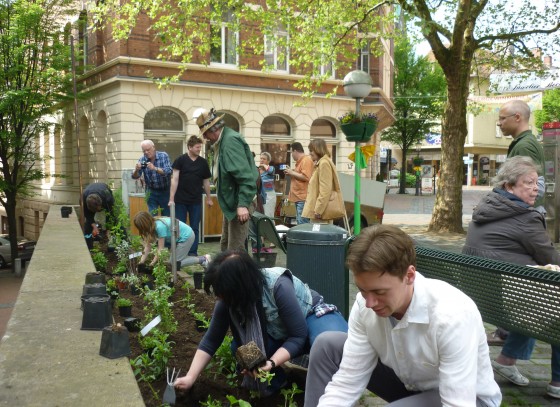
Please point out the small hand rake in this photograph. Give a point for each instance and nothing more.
(169, 394)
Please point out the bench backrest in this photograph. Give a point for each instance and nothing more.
(518, 298)
(267, 229)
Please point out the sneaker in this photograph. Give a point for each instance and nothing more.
(511, 373)
(553, 391)
(206, 261)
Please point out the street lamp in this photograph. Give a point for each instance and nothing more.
(418, 148)
(357, 84)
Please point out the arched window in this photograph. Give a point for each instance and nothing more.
(166, 129)
(161, 119)
(276, 137)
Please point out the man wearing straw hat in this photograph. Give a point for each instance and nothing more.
(235, 175)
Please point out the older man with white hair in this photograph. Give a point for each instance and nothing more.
(155, 166)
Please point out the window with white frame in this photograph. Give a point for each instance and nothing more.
(364, 58)
(276, 52)
(223, 49)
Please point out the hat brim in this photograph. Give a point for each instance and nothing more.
(213, 122)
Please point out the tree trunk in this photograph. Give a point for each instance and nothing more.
(447, 215)
(402, 175)
(10, 208)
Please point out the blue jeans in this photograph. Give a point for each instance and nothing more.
(518, 346)
(333, 321)
(299, 210)
(158, 198)
(195, 213)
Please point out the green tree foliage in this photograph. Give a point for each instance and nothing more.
(464, 35)
(332, 31)
(35, 76)
(551, 108)
(419, 91)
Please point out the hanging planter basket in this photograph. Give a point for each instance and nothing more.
(358, 132)
(417, 161)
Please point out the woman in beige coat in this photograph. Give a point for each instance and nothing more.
(322, 183)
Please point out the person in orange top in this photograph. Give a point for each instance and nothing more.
(299, 180)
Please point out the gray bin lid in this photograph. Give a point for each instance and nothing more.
(317, 234)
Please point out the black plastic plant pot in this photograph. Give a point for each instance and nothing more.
(125, 311)
(97, 313)
(132, 324)
(134, 290)
(110, 249)
(145, 268)
(83, 298)
(115, 342)
(95, 288)
(65, 211)
(200, 326)
(95, 278)
(197, 277)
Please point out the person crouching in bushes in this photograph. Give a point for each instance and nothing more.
(269, 306)
(159, 229)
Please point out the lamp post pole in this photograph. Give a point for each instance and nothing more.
(357, 84)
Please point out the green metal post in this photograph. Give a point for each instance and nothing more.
(357, 182)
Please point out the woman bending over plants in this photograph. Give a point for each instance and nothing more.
(158, 230)
(268, 306)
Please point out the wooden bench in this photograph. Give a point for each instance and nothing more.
(518, 298)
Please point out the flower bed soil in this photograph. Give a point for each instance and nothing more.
(185, 342)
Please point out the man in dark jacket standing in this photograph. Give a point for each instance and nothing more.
(513, 121)
(235, 176)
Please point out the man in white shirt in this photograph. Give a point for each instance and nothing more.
(413, 341)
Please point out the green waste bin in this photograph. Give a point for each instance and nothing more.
(315, 254)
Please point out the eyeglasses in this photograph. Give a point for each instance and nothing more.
(530, 183)
(502, 118)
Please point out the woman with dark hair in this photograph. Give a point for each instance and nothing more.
(269, 306)
(322, 183)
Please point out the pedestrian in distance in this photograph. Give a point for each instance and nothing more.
(322, 183)
(299, 180)
(155, 167)
(266, 172)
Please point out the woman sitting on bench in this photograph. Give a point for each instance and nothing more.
(505, 226)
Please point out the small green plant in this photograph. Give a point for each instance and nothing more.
(99, 260)
(233, 401)
(210, 402)
(224, 364)
(151, 364)
(111, 285)
(123, 302)
(289, 395)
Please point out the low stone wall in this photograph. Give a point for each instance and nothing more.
(45, 358)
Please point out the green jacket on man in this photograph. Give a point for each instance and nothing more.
(237, 173)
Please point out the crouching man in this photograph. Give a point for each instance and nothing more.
(412, 341)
